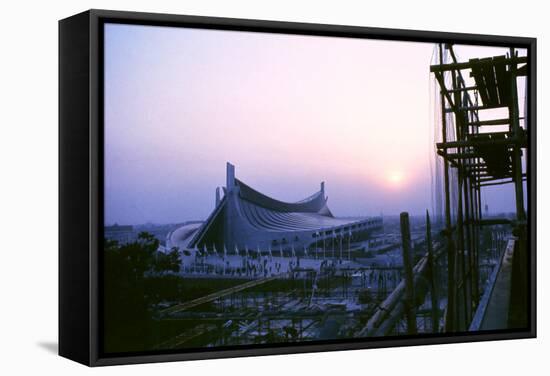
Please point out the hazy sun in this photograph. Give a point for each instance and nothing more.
(395, 178)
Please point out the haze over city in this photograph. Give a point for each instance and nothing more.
(289, 111)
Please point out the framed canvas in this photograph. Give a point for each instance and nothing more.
(198, 155)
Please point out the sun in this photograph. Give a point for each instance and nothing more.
(395, 178)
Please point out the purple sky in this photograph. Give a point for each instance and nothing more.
(289, 111)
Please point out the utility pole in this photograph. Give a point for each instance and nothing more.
(410, 310)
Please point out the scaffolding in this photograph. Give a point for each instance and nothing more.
(479, 158)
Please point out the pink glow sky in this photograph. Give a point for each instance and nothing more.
(289, 111)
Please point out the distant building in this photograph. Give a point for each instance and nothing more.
(122, 234)
(245, 219)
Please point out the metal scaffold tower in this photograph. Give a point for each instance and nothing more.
(476, 156)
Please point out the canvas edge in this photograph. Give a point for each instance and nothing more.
(96, 16)
(74, 279)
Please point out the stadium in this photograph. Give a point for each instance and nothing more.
(245, 219)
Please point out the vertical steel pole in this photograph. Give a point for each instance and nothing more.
(516, 129)
(407, 268)
(460, 212)
(450, 319)
(433, 271)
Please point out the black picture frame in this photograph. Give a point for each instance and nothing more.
(81, 174)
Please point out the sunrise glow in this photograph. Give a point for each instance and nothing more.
(395, 178)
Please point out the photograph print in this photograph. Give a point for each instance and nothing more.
(270, 189)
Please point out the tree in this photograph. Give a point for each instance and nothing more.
(131, 290)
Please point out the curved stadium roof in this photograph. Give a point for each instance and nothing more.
(245, 216)
(266, 213)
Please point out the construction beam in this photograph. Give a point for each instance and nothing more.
(434, 300)
(392, 306)
(481, 142)
(490, 122)
(219, 294)
(460, 77)
(448, 222)
(462, 89)
(470, 64)
(410, 307)
(488, 178)
(458, 155)
(477, 108)
(498, 183)
(445, 93)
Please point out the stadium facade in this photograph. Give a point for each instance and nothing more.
(245, 219)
